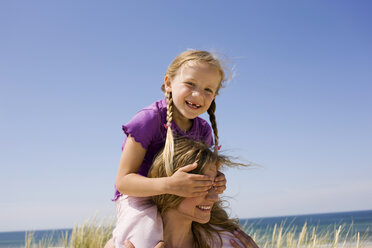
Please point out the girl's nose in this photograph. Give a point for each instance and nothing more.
(196, 92)
(212, 195)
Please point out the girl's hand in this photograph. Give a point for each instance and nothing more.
(184, 184)
(246, 240)
(220, 183)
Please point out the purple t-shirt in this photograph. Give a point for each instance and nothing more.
(147, 128)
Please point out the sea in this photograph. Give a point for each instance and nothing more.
(360, 221)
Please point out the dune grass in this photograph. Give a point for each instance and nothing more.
(288, 236)
(94, 233)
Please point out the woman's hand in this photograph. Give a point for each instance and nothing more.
(220, 183)
(184, 184)
(246, 240)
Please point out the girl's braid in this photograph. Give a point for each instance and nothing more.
(169, 142)
(169, 109)
(212, 119)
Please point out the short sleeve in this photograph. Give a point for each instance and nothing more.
(143, 127)
(226, 236)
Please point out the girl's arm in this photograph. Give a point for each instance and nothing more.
(128, 181)
(180, 183)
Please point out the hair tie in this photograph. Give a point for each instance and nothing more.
(217, 148)
(166, 125)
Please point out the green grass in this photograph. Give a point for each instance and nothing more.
(94, 233)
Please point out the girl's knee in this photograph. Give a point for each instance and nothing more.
(110, 244)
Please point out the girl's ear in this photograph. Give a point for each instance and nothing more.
(167, 84)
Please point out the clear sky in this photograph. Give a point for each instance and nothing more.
(299, 105)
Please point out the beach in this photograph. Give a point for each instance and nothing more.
(341, 230)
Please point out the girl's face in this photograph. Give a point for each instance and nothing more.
(193, 88)
(199, 208)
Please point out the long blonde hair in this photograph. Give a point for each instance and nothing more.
(173, 69)
(188, 151)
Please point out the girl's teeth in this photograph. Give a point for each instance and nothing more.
(194, 105)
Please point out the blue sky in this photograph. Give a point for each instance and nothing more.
(299, 105)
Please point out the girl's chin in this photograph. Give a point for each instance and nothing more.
(187, 115)
(191, 113)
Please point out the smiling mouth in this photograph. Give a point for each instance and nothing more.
(204, 208)
(192, 105)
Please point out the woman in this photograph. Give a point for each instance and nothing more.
(196, 221)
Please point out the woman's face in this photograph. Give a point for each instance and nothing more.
(199, 208)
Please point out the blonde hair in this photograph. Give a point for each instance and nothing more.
(188, 151)
(174, 67)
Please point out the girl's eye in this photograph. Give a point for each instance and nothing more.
(209, 90)
(189, 83)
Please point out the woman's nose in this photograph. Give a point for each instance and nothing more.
(212, 195)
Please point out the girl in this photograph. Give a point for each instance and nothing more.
(191, 84)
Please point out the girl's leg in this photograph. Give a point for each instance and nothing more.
(138, 221)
